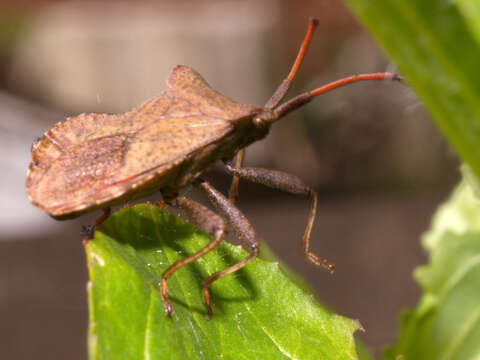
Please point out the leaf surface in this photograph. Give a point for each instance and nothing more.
(258, 312)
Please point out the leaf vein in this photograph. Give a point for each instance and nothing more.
(146, 341)
(462, 334)
(270, 336)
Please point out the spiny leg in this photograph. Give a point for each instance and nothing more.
(293, 185)
(233, 193)
(242, 228)
(207, 221)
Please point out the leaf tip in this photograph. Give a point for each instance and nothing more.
(359, 325)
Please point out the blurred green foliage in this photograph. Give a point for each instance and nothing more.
(446, 322)
(12, 21)
(435, 44)
(436, 47)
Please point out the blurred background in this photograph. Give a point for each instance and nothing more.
(371, 151)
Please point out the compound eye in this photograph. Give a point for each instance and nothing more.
(263, 119)
(258, 121)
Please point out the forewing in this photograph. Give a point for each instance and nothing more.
(79, 156)
(187, 84)
(92, 159)
(85, 127)
(70, 176)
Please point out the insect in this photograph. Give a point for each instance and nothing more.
(95, 161)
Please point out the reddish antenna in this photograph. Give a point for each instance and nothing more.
(304, 98)
(285, 85)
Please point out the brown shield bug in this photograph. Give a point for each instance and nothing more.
(94, 161)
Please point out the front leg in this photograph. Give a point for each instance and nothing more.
(233, 193)
(293, 185)
(90, 230)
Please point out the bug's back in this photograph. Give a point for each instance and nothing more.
(96, 160)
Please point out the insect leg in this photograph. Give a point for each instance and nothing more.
(293, 185)
(207, 221)
(242, 228)
(233, 193)
(106, 213)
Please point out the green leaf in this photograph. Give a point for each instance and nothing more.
(437, 49)
(446, 323)
(435, 44)
(258, 312)
(362, 351)
(470, 9)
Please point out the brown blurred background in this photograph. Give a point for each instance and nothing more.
(370, 150)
